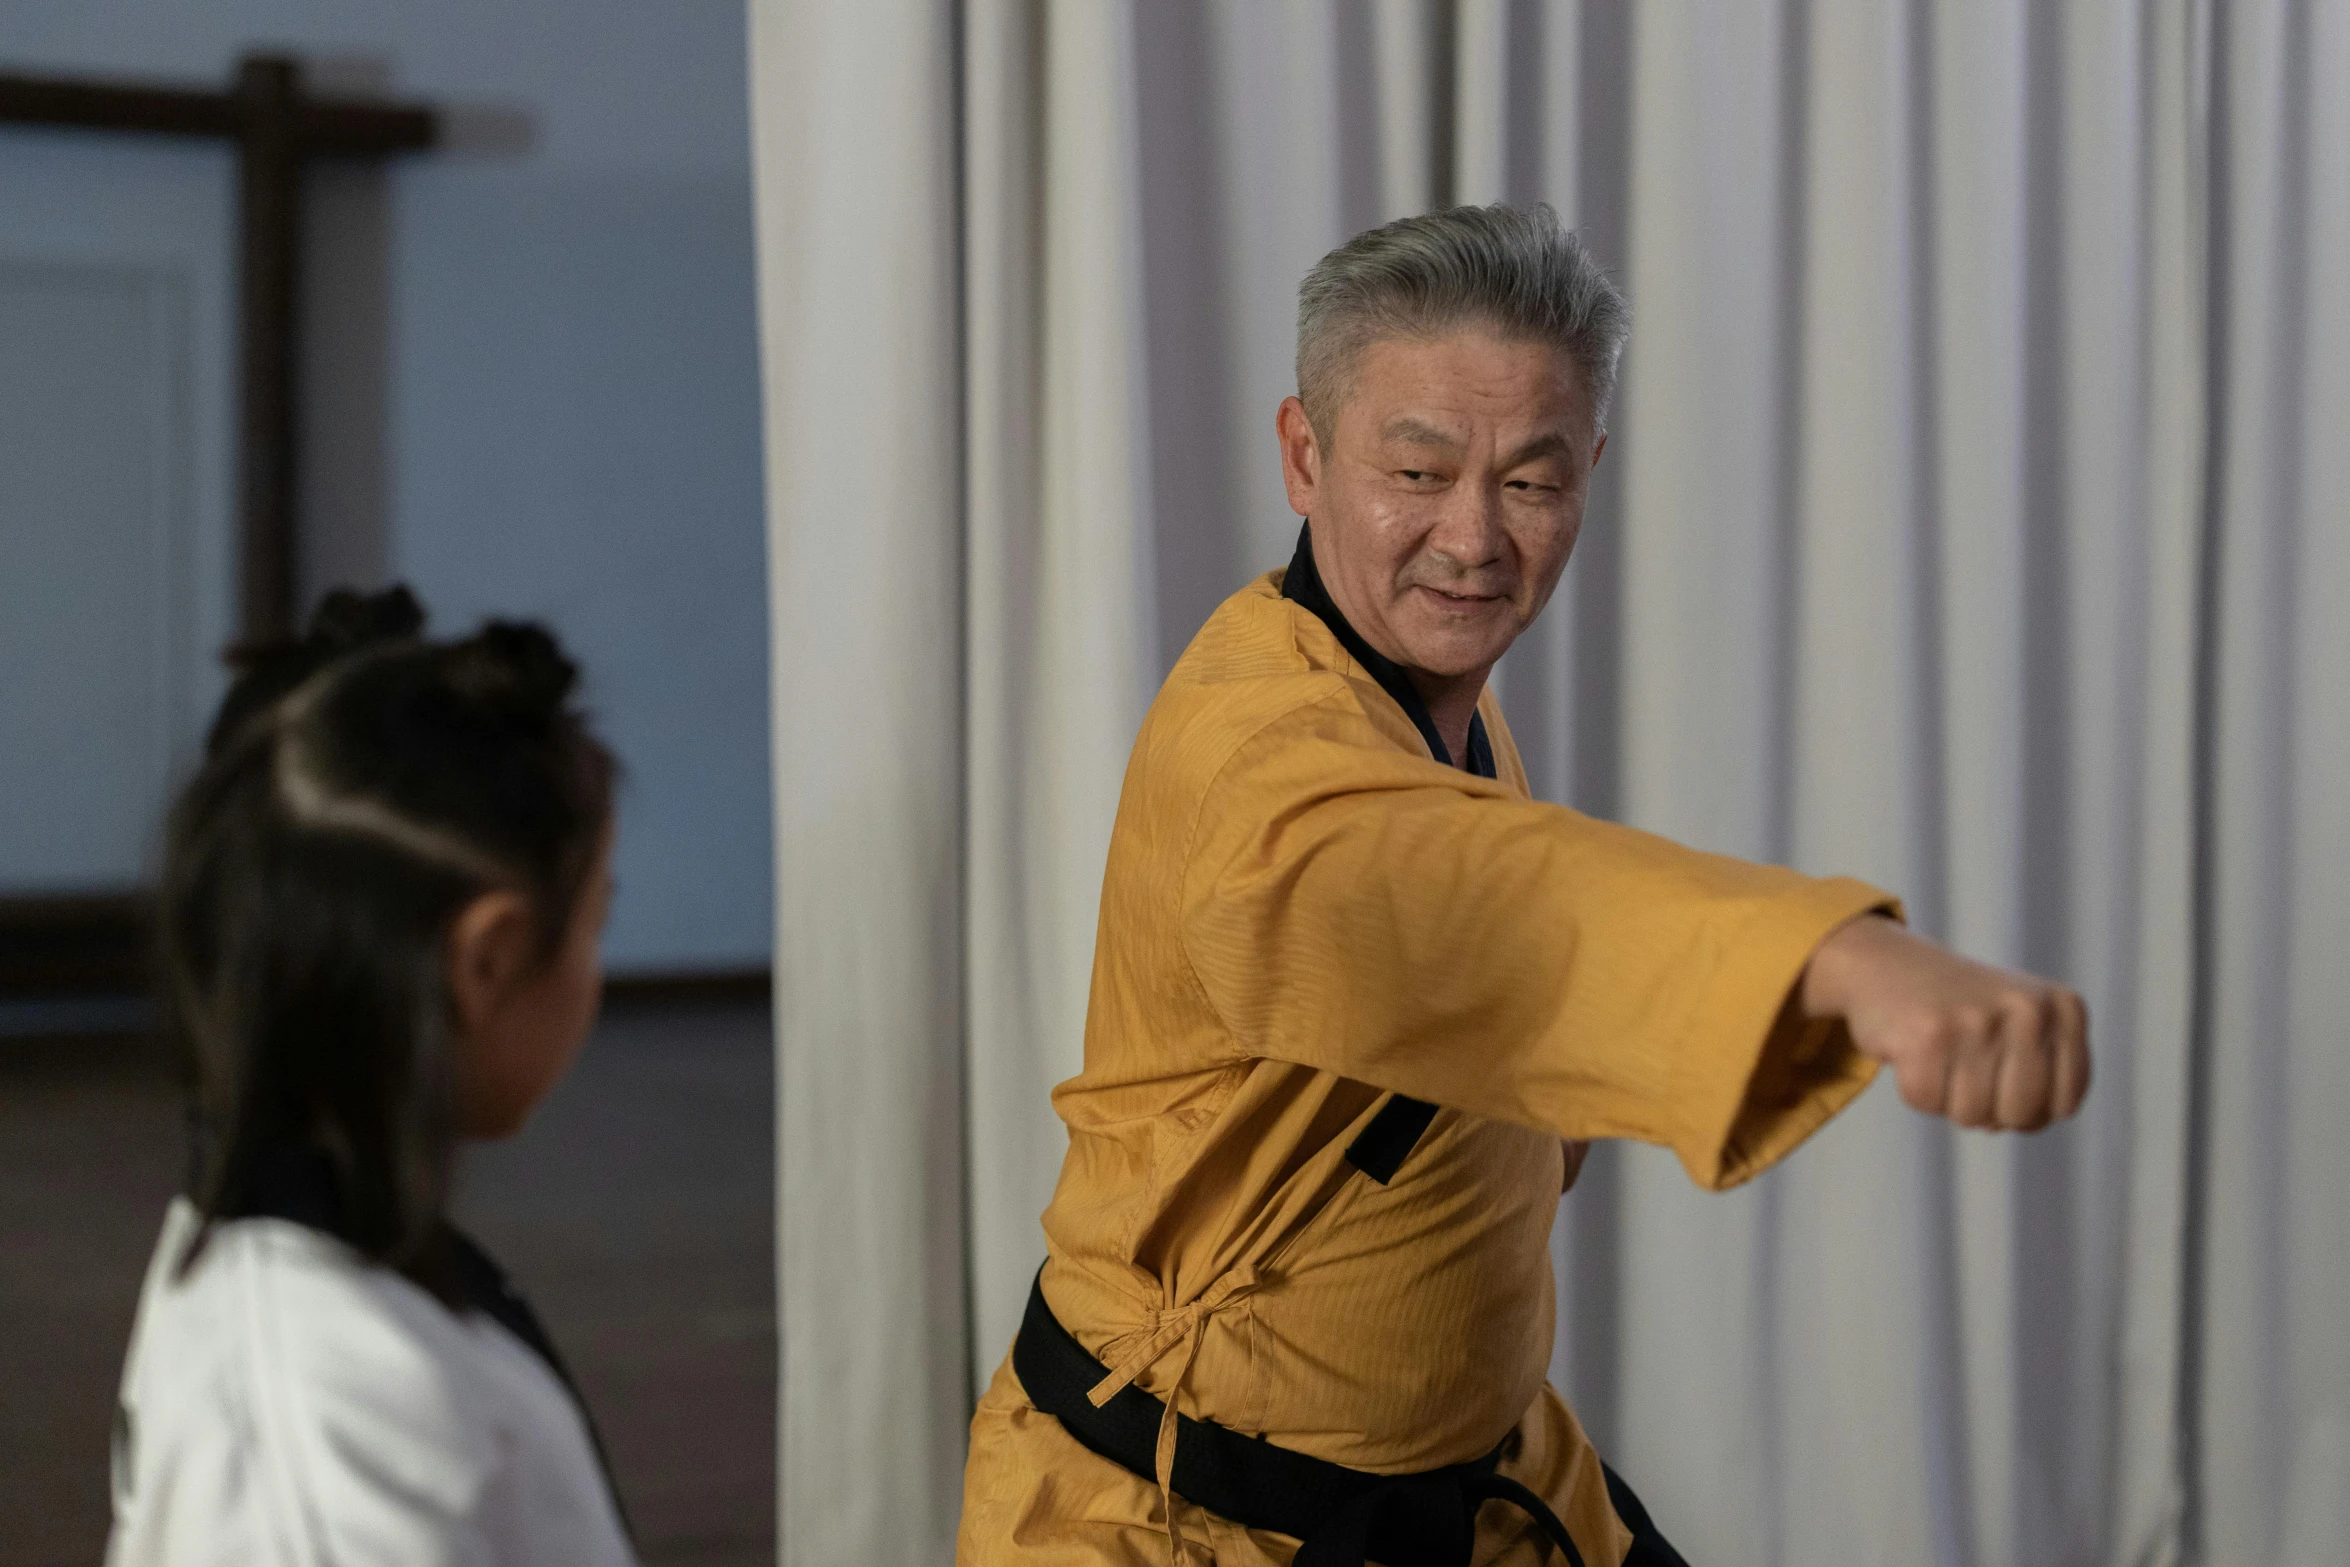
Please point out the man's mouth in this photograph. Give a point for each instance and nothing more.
(1455, 596)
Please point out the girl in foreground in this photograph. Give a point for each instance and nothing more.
(380, 906)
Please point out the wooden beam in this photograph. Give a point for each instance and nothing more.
(106, 106)
(364, 130)
(348, 127)
(88, 945)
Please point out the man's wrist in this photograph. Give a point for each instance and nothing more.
(1827, 986)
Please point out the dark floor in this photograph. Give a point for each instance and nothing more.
(636, 1213)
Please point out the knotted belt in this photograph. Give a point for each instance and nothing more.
(1345, 1517)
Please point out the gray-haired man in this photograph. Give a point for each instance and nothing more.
(1358, 1000)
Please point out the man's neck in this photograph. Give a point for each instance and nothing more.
(1444, 706)
(1452, 702)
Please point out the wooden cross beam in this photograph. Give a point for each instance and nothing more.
(276, 128)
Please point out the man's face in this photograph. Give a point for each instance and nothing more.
(1449, 495)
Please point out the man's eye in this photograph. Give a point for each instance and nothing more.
(1415, 475)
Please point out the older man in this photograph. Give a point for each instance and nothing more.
(1358, 999)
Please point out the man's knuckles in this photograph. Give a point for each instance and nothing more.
(1974, 1090)
(1924, 1081)
(1970, 1025)
(2072, 1060)
(2026, 1077)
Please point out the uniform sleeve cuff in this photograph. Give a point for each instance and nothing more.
(1754, 1076)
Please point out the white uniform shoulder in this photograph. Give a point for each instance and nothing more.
(287, 1401)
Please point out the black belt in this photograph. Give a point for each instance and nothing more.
(1345, 1517)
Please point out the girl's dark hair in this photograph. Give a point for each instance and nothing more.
(360, 786)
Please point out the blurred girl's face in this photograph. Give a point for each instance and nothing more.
(522, 1014)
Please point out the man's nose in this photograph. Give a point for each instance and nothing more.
(1468, 529)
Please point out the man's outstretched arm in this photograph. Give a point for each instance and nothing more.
(1350, 907)
(1983, 1046)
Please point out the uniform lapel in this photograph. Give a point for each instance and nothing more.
(1302, 585)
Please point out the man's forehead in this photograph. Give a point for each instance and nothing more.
(1444, 391)
(1431, 428)
(1414, 430)
(1523, 434)
(1515, 441)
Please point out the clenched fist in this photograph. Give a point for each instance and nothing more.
(1981, 1045)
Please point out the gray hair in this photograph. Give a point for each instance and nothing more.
(1515, 270)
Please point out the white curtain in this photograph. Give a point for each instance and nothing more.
(1976, 519)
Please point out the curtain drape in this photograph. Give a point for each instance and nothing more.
(1976, 519)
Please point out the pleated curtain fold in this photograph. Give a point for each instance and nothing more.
(1975, 519)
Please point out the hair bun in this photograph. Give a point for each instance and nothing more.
(348, 620)
(515, 667)
(345, 622)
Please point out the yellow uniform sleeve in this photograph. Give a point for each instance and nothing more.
(1353, 908)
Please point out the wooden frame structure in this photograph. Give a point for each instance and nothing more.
(96, 943)
(276, 128)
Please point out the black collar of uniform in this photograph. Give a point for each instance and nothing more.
(1303, 587)
(297, 1181)
(293, 1181)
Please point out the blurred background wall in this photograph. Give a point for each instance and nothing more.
(530, 388)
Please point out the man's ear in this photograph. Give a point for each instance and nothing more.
(1596, 451)
(489, 953)
(1301, 455)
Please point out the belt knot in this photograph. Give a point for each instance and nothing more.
(1168, 1328)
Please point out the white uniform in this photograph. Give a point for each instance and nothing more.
(288, 1403)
